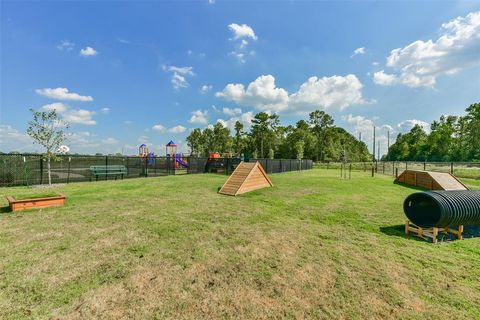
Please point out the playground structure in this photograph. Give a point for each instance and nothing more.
(171, 153)
(431, 180)
(432, 212)
(248, 176)
(147, 158)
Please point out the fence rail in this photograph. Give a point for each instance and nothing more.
(460, 169)
(28, 169)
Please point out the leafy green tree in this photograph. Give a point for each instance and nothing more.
(222, 142)
(473, 130)
(238, 143)
(320, 122)
(208, 142)
(47, 129)
(264, 127)
(440, 141)
(194, 141)
(299, 148)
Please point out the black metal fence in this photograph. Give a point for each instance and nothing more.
(31, 169)
(469, 170)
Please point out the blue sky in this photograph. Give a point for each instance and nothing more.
(124, 73)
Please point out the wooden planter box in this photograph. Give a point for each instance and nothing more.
(16, 205)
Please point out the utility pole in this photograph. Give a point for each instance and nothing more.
(373, 149)
(388, 145)
(378, 154)
(360, 136)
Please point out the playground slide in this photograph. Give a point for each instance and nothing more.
(183, 163)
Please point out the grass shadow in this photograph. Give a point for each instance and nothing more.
(409, 186)
(399, 231)
(5, 209)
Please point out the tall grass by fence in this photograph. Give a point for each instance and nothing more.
(28, 169)
(460, 169)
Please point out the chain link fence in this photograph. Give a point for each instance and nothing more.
(31, 169)
(469, 170)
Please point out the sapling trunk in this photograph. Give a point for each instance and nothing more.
(49, 172)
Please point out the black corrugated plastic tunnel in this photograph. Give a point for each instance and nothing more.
(443, 208)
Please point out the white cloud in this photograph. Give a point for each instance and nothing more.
(110, 141)
(407, 125)
(262, 94)
(81, 140)
(178, 81)
(181, 70)
(205, 88)
(232, 111)
(179, 75)
(62, 94)
(143, 139)
(159, 128)
(105, 110)
(385, 79)
(242, 31)
(13, 140)
(177, 129)
(420, 63)
(327, 92)
(124, 41)
(240, 35)
(199, 116)
(88, 52)
(65, 45)
(245, 118)
(240, 56)
(364, 126)
(57, 106)
(358, 51)
(79, 116)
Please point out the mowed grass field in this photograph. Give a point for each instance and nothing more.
(313, 246)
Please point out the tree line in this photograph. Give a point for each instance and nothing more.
(315, 138)
(452, 138)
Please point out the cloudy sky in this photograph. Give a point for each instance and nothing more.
(125, 73)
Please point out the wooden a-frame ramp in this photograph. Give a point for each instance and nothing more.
(431, 180)
(248, 176)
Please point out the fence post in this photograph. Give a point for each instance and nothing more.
(350, 172)
(451, 167)
(41, 170)
(393, 167)
(424, 165)
(266, 165)
(406, 165)
(373, 171)
(106, 164)
(383, 167)
(68, 173)
(396, 172)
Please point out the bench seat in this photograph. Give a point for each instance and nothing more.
(111, 170)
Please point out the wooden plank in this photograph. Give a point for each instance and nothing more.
(246, 177)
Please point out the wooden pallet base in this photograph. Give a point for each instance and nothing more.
(431, 233)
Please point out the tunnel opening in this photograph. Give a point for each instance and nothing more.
(422, 210)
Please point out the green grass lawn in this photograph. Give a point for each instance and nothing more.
(313, 246)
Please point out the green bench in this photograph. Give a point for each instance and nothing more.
(105, 171)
